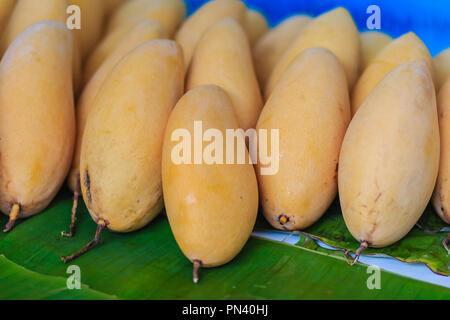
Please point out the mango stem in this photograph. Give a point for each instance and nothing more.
(197, 265)
(14, 213)
(364, 246)
(73, 217)
(100, 226)
(445, 243)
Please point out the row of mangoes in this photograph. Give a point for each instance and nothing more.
(354, 111)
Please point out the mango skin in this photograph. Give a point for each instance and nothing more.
(441, 196)
(112, 5)
(145, 31)
(372, 42)
(122, 145)
(170, 13)
(223, 57)
(442, 67)
(406, 48)
(255, 25)
(211, 208)
(28, 12)
(92, 20)
(6, 8)
(192, 30)
(390, 157)
(37, 120)
(312, 120)
(270, 48)
(334, 30)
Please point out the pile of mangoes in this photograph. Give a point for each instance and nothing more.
(99, 106)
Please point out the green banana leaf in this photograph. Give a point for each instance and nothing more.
(149, 265)
(418, 246)
(26, 285)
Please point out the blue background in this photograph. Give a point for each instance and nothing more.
(430, 20)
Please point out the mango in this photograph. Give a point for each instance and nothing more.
(270, 48)
(122, 145)
(112, 5)
(103, 50)
(192, 30)
(441, 196)
(390, 157)
(28, 12)
(334, 30)
(312, 119)
(406, 48)
(37, 120)
(223, 57)
(372, 42)
(128, 122)
(442, 67)
(92, 18)
(6, 8)
(255, 25)
(170, 13)
(212, 208)
(146, 31)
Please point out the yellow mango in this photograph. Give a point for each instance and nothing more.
(406, 48)
(334, 30)
(28, 12)
(112, 5)
(390, 157)
(212, 208)
(122, 145)
(223, 57)
(271, 47)
(92, 18)
(37, 120)
(442, 67)
(145, 31)
(441, 196)
(311, 118)
(170, 13)
(192, 30)
(103, 50)
(6, 8)
(372, 42)
(255, 25)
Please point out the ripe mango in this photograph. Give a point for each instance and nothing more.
(37, 120)
(223, 57)
(311, 118)
(28, 12)
(211, 208)
(270, 48)
(122, 144)
(146, 31)
(390, 157)
(441, 196)
(6, 8)
(104, 49)
(255, 25)
(92, 19)
(334, 30)
(192, 30)
(112, 5)
(442, 67)
(170, 13)
(372, 42)
(406, 48)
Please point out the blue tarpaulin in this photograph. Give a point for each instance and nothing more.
(429, 19)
